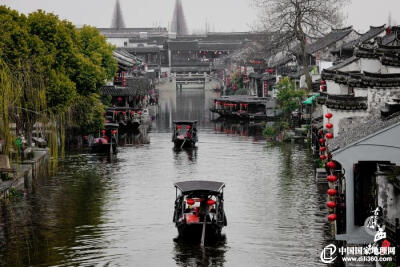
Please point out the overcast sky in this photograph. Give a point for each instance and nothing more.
(222, 15)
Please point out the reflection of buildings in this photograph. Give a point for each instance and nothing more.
(239, 129)
(139, 137)
(188, 104)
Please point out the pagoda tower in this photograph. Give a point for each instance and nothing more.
(178, 23)
(117, 20)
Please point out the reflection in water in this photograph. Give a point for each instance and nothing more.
(118, 211)
(132, 138)
(191, 254)
(244, 129)
(190, 154)
(47, 224)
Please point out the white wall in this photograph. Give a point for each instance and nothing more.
(370, 65)
(336, 88)
(118, 42)
(360, 92)
(389, 69)
(339, 115)
(353, 66)
(377, 98)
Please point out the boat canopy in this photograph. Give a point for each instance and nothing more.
(110, 125)
(185, 122)
(190, 186)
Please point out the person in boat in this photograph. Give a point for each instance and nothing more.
(203, 209)
(188, 133)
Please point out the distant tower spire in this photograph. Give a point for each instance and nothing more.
(178, 24)
(117, 20)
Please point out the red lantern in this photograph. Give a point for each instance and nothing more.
(329, 125)
(114, 132)
(179, 127)
(322, 149)
(331, 165)
(332, 217)
(119, 98)
(123, 113)
(188, 127)
(211, 202)
(323, 87)
(139, 112)
(322, 140)
(329, 135)
(190, 201)
(103, 131)
(328, 115)
(322, 157)
(332, 178)
(331, 204)
(323, 82)
(115, 111)
(132, 112)
(331, 192)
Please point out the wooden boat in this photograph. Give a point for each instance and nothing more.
(199, 209)
(184, 134)
(107, 143)
(129, 119)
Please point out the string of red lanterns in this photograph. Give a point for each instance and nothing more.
(331, 165)
(323, 86)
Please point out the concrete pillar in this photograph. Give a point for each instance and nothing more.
(349, 175)
(169, 58)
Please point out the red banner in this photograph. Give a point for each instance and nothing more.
(265, 88)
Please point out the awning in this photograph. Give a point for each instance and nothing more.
(310, 100)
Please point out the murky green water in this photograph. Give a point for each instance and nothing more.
(118, 211)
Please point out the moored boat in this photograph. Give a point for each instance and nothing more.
(107, 142)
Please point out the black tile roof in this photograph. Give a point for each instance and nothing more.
(372, 33)
(362, 80)
(334, 36)
(135, 86)
(359, 130)
(219, 46)
(343, 63)
(149, 49)
(183, 45)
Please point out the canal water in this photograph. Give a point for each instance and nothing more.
(118, 211)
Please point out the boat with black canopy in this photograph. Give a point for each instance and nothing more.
(184, 134)
(107, 142)
(199, 209)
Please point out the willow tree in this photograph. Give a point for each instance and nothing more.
(293, 22)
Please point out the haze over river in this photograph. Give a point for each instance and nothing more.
(118, 211)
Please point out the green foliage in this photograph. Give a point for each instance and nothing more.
(270, 131)
(94, 46)
(14, 41)
(47, 69)
(87, 114)
(241, 91)
(288, 97)
(14, 193)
